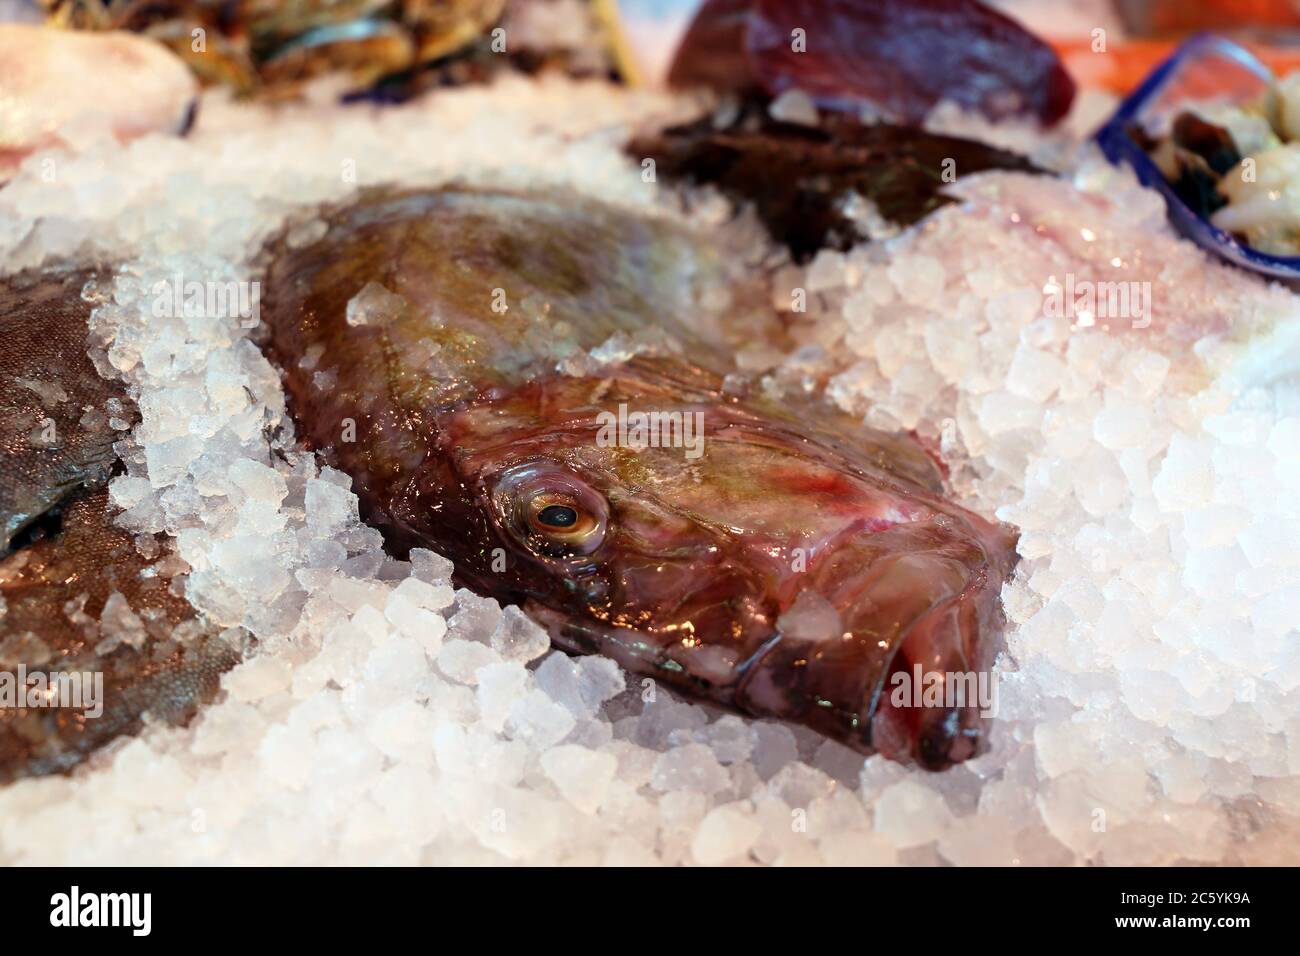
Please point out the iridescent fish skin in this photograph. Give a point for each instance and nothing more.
(462, 424)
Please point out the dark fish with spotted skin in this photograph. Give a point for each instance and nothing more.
(63, 560)
(787, 570)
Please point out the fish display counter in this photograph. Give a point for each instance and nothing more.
(737, 432)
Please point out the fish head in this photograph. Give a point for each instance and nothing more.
(629, 490)
(738, 553)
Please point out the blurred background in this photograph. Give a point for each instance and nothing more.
(265, 42)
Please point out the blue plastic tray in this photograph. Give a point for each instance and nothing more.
(1238, 69)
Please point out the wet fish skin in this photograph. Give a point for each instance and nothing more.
(463, 422)
(62, 557)
(55, 432)
(54, 593)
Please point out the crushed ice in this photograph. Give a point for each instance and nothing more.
(1148, 698)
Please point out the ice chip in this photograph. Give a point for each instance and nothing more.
(518, 637)
(810, 618)
(499, 686)
(909, 814)
(476, 618)
(430, 567)
(330, 508)
(432, 597)
(731, 738)
(725, 834)
(258, 482)
(690, 767)
(538, 720)
(460, 660)
(427, 627)
(374, 305)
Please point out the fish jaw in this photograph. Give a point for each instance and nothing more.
(918, 609)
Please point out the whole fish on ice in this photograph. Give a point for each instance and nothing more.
(776, 558)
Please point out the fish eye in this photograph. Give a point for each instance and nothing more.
(557, 516)
(551, 510)
(562, 524)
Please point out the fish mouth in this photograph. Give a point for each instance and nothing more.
(935, 706)
(919, 692)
